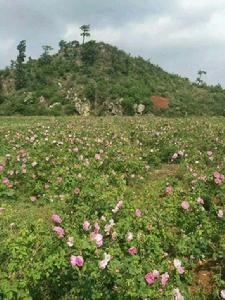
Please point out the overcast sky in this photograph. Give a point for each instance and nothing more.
(182, 36)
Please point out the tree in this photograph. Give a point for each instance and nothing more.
(20, 71)
(89, 53)
(85, 31)
(12, 64)
(46, 54)
(199, 78)
(62, 45)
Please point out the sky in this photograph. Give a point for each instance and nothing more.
(181, 36)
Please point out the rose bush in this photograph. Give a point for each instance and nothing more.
(112, 208)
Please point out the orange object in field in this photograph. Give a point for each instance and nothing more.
(160, 102)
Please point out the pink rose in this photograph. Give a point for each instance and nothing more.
(177, 295)
(218, 178)
(133, 250)
(103, 263)
(98, 238)
(185, 205)
(108, 227)
(200, 201)
(156, 273)
(178, 265)
(138, 212)
(169, 189)
(117, 207)
(180, 270)
(150, 278)
(5, 181)
(76, 261)
(217, 175)
(97, 228)
(97, 156)
(164, 278)
(59, 231)
(56, 219)
(86, 225)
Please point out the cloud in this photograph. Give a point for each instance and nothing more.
(6, 45)
(180, 35)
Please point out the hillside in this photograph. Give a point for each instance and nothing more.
(97, 78)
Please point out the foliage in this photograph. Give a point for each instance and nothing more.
(45, 57)
(100, 73)
(20, 77)
(111, 208)
(85, 31)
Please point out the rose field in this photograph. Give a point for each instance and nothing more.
(112, 208)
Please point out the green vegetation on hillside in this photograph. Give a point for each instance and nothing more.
(97, 78)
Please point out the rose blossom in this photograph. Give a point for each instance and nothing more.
(150, 278)
(164, 278)
(216, 174)
(56, 219)
(200, 201)
(218, 178)
(169, 189)
(177, 295)
(70, 241)
(98, 238)
(222, 294)
(185, 205)
(138, 212)
(129, 236)
(86, 225)
(117, 207)
(108, 227)
(76, 261)
(77, 191)
(97, 228)
(133, 250)
(5, 181)
(178, 265)
(103, 263)
(97, 156)
(59, 231)
(220, 213)
(33, 198)
(156, 273)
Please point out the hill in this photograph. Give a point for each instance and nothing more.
(97, 78)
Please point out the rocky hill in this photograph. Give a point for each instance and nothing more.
(97, 78)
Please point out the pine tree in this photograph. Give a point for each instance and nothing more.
(85, 31)
(20, 71)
